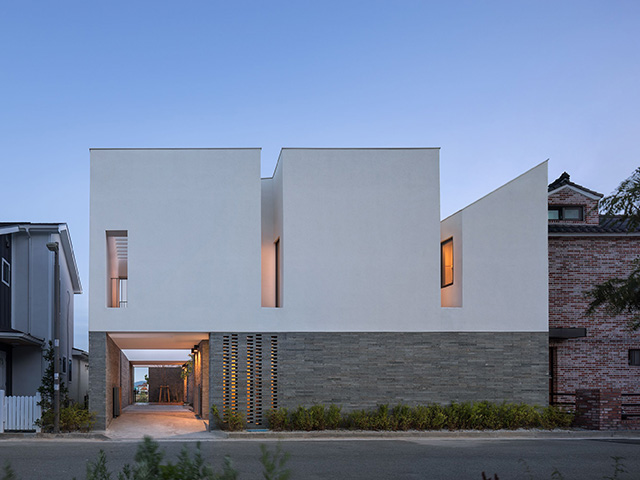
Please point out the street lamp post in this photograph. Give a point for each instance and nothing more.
(54, 247)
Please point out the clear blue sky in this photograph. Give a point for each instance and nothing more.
(499, 85)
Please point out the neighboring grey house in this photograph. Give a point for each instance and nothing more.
(334, 281)
(27, 305)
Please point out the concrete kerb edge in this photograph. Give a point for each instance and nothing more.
(218, 435)
(438, 434)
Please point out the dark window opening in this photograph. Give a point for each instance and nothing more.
(634, 357)
(277, 248)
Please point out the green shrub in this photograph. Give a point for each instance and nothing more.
(380, 419)
(332, 417)
(456, 416)
(73, 418)
(357, 420)
(301, 419)
(555, 417)
(76, 418)
(274, 463)
(278, 419)
(317, 417)
(232, 421)
(401, 418)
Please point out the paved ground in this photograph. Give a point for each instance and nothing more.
(408, 458)
(157, 421)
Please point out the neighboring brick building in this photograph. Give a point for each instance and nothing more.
(585, 249)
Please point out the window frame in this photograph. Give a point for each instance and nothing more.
(443, 244)
(634, 357)
(8, 270)
(561, 212)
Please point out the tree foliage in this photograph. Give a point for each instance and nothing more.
(46, 388)
(621, 295)
(625, 201)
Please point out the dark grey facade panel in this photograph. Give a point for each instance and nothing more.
(363, 370)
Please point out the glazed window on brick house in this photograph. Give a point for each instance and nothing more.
(565, 213)
(634, 357)
(446, 263)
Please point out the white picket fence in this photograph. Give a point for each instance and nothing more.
(19, 413)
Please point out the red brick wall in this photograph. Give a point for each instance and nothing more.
(567, 196)
(598, 409)
(599, 360)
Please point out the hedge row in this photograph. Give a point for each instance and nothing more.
(457, 416)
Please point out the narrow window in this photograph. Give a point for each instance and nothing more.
(446, 263)
(64, 364)
(634, 357)
(70, 377)
(117, 268)
(277, 248)
(6, 273)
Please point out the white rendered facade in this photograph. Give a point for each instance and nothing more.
(358, 237)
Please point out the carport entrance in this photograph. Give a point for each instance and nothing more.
(180, 362)
(157, 421)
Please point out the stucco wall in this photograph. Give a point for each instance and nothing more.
(193, 223)
(504, 250)
(359, 234)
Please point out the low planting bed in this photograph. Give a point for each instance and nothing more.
(457, 416)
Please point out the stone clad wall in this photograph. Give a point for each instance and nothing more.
(97, 378)
(169, 376)
(363, 370)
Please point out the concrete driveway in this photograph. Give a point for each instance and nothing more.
(176, 422)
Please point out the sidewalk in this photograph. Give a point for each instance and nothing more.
(180, 426)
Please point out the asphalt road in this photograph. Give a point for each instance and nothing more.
(352, 459)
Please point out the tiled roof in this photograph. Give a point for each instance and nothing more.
(611, 224)
(564, 179)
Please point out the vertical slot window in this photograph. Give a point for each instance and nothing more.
(277, 260)
(446, 263)
(117, 268)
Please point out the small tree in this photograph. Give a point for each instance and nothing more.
(47, 391)
(622, 295)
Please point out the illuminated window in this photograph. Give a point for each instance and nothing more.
(446, 263)
(634, 357)
(565, 213)
(117, 268)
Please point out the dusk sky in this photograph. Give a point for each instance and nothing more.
(500, 86)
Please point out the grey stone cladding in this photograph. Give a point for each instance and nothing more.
(98, 377)
(362, 370)
(108, 368)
